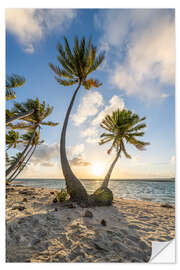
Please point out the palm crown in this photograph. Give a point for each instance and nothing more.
(12, 82)
(123, 126)
(41, 111)
(12, 139)
(77, 63)
(36, 139)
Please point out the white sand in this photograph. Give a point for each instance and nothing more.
(48, 232)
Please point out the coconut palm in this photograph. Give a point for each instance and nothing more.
(124, 127)
(26, 138)
(75, 66)
(31, 122)
(12, 139)
(12, 82)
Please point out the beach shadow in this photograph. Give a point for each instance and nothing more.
(52, 232)
(60, 234)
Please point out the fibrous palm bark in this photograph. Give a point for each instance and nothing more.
(13, 166)
(108, 175)
(74, 186)
(19, 170)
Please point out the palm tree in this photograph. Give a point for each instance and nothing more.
(31, 122)
(12, 139)
(123, 127)
(76, 65)
(36, 141)
(12, 159)
(12, 82)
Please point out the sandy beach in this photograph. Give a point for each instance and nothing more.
(39, 230)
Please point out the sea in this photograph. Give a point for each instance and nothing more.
(159, 190)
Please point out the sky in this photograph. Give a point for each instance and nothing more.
(138, 74)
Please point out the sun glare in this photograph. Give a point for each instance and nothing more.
(98, 169)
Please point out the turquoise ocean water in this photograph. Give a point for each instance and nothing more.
(159, 190)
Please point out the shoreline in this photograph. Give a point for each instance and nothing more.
(131, 197)
(113, 179)
(39, 230)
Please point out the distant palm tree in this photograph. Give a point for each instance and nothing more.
(12, 139)
(123, 127)
(76, 64)
(12, 82)
(31, 122)
(12, 159)
(36, 141)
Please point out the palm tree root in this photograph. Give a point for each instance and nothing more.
(103, 196)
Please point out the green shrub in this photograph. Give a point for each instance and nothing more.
(62, 195)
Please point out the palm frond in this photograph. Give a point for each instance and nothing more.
(61, 72)
(123, 125)
(14, 81)
(77, 63)
(50, 123)
(66, 82)
(90, 83)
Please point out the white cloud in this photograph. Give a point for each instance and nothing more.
(44, 154)
(77, 149)
(79, 161)
(89, 132)
(29, 48)
(144, 44)
(48, 164)
(31, 25)
(114, 104)
(76, 156)
(88, 107)
(93, 140)
(92, 132)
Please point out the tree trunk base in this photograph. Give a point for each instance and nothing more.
(103, 196)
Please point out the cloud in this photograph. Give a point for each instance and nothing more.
(114, 104)
(92, 132)
(44, 154)
(31, 25)
(77, 149)
(48, 164)
(88, 107)
(143, 42)
(76, 156)
(79, 161)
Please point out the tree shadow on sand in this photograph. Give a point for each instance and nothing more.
(52, 232)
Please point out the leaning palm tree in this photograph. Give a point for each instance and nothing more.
(31, 122)
(12, 139)
(12, 82)
(26, 138)
(76, 65)
(123, 127)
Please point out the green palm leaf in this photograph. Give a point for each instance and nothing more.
(123, 125)
(77, 63)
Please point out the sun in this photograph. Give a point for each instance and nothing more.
(98, 169)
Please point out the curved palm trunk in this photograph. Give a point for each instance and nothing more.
(12, 178)
(74, 187)
(20, 164)
(19, 116)
(12, 167)
(108, 175)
